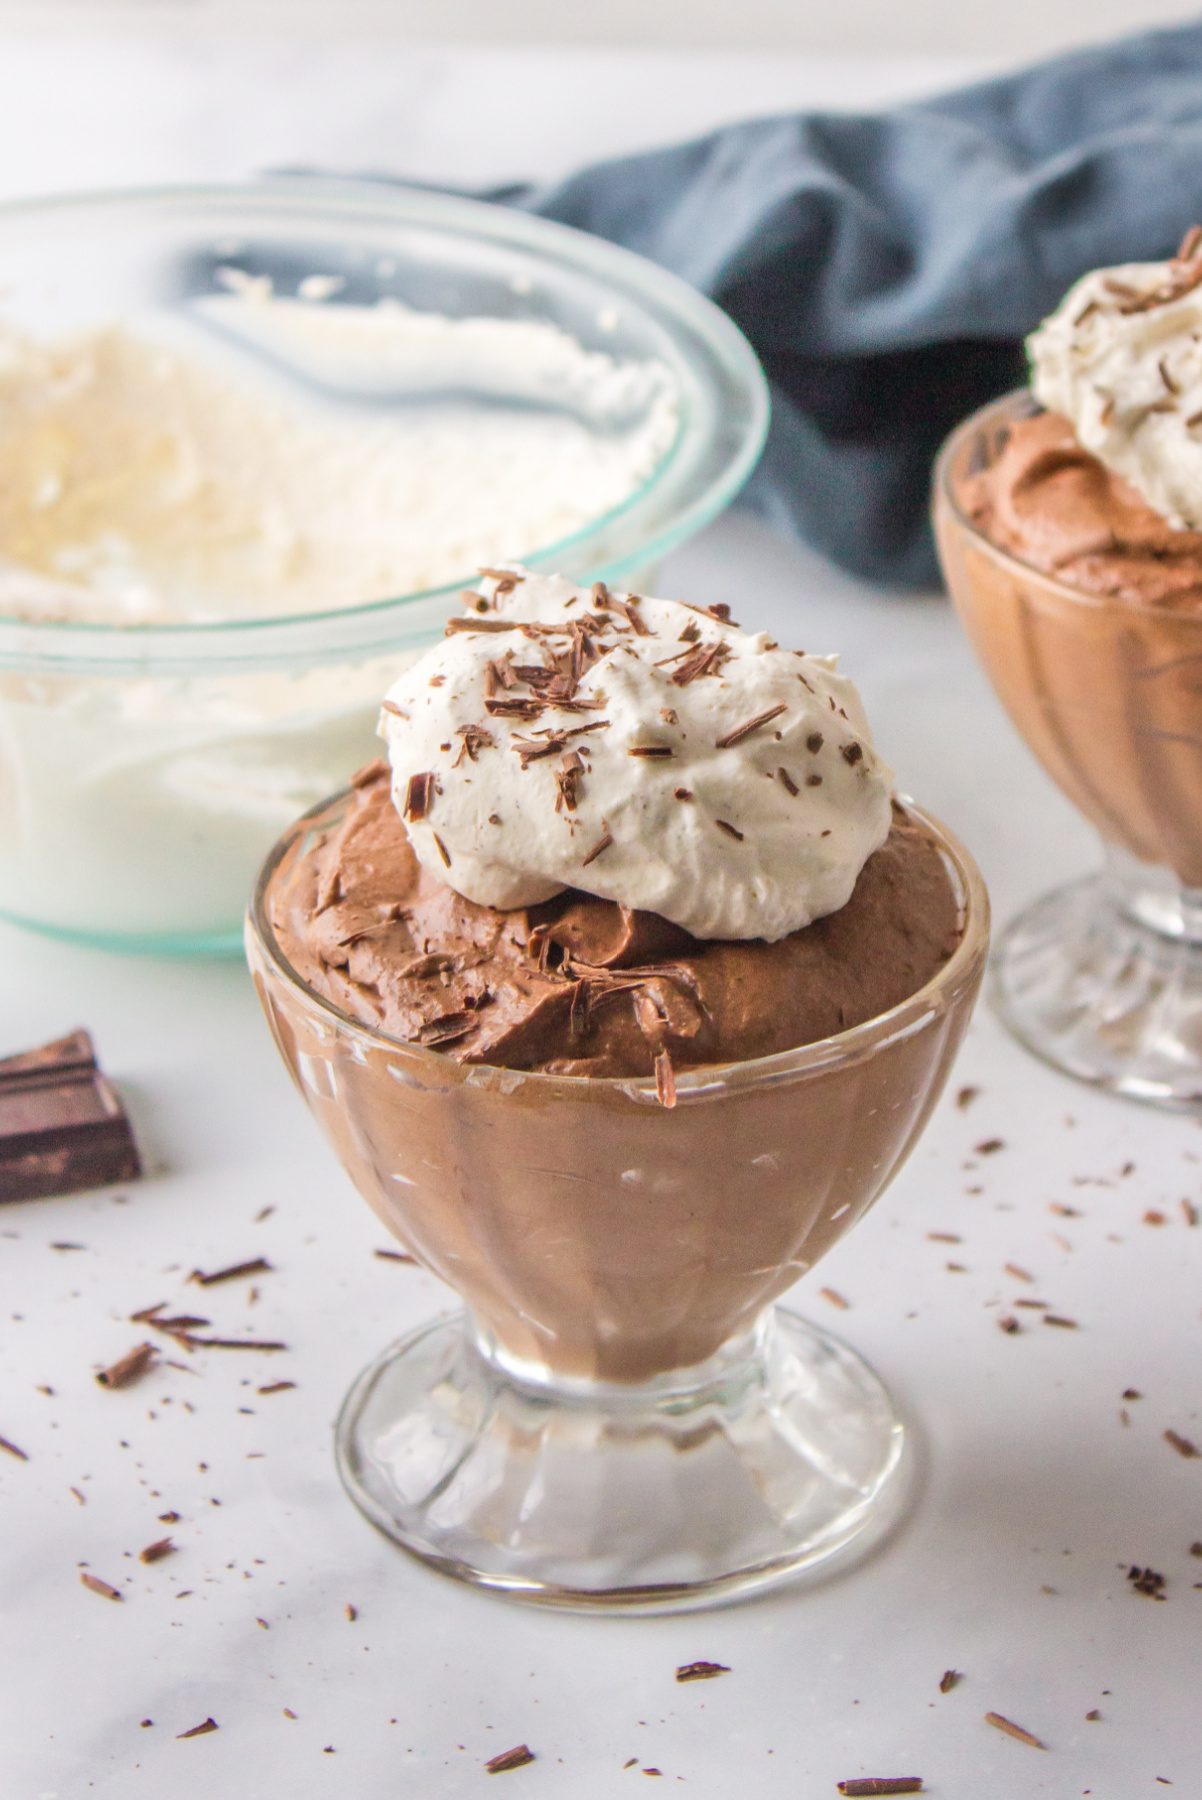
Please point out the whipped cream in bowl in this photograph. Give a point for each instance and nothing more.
(245, 466)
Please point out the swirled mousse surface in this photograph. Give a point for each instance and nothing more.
(1034, 490)
(579, 985)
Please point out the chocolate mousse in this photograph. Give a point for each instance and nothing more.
(579, 985)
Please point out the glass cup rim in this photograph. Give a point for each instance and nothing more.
(124, 648)
(842, 1049)
(1005, 405)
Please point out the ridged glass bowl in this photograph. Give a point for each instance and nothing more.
(145, 770)
(621, 1420)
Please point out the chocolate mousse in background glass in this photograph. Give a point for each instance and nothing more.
(1102, 978)
(621, 1419)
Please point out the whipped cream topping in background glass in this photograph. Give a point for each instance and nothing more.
(639, 749)
(1121, 359)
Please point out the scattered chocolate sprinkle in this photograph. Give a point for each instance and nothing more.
(259, 1266)
(1064, 1212)
(690, 634)
(198, 1730)
(169, 1518)
(1195, 1549)
(12, 1450)
(442, 850)
(701, 1671)
(102, 1588)
(78, 1495)
(1013, 1730)
(129, 1368)
(729, 830)
(1189, 1212)
(744, 731)
(1181, 1445)
(494, 818)
(1152, 1217)
(882, 1784)
(388, 707)
(813, 781)
(945, 1237)
(705, 660)
(787, 781)
(199, 1343)
(682, 793)
(1174, 387)
(1009, 1324)
(521, 1754)
(656, 750)
(853, 753)
(352, 1612)
(602, 843)
(419, 796)
(1146, 1581)
(966, 1096)
(1064, 1324)
(400, 1256)
(668, 715)
(1040, 1305)
(1132, 1394)
(990, 1147)
(835, 1299)
(665, 1085)
(949, 1679)
(1093, 1716)
(157, 1551)
(1018, 1274)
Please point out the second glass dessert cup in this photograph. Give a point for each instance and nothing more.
(1103, 978)
(621, 1420)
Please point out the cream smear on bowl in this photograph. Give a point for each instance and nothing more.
(259, 458)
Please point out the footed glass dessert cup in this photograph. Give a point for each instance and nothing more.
(620, 1419)
(1103, 978)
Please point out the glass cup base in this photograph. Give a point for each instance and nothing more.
(1103, 979)
(781, 1455)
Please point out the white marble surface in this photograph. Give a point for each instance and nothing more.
(1035, 1496)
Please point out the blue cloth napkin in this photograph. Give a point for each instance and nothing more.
(887, 266)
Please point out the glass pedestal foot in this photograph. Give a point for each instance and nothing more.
(1103, 979)
(780, 1455)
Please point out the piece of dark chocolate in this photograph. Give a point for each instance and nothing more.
(62, 1126)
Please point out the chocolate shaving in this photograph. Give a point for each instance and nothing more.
(447, 1029)
(1190, 244)
(12, 1450)
(835, 1299)
(701, 1671)
(517, 708)
(388, 707)
(744, 731)
(682, 793)
(400, 1256)
(948, 1680)
(1146, 1581)
(578, 1018)
(456, 625)
(199, 1343)
(259, 1266)
(157, 1551)
(273, 1387)
(567, 777)
(129, 1368)
(787, 782)
(706, 660)
(103, 1588)
(419, 796)
(475, 739)
(1013, 1730)
(1181, 1445)
(198, 1730)
(665, 1089)
(652, 750)
(442, 851)
(730, 830)
(520, 1755)
(602, 843)
(882, 1784)
(1065, 1324)
(1009, 1324)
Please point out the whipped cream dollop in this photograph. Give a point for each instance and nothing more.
(1121, 359)
(646, 751)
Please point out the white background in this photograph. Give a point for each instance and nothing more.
(1035, 1497)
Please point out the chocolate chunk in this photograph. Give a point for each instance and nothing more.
(62, 1126)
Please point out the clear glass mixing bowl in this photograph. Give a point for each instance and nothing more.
(145, 770)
